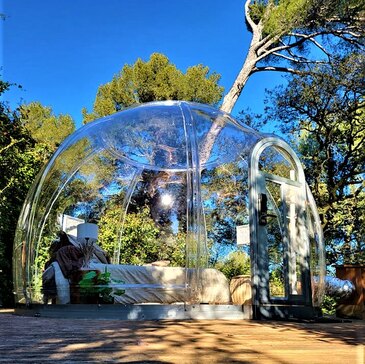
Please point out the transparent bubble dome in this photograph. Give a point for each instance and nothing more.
(168, 183)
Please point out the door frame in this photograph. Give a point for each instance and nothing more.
(263, 304)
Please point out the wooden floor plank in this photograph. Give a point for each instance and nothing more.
(41, 340)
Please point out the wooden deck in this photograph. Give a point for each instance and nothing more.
(41, 340)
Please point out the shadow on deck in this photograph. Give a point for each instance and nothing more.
(41, 340)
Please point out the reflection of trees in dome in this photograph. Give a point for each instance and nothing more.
(219, 139)
(53, 197)
(70, 160)
(100, 179)
(150, 191)
(272, 161)
(148, 136)
(141, 240)
(92, 186)
(225, 199)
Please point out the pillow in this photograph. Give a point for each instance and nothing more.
(161, 263)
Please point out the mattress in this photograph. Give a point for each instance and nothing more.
(166, 285)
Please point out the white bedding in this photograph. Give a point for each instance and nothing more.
(151, 284)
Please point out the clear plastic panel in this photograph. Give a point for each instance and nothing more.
(136, 174)
(297, 244)
(275, 162)
(317, 252)
(277, 241)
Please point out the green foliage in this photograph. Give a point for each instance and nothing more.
(325, 110)
(154, 80)
(19, 162)
(283, 16)
(43, 255)
(328, 305)
(97, 284)
(110, 225)
(138, 238)
(237, 263)
(257, 10)
(21, 157)
(279, 17)
(276, 283)
(46, 128)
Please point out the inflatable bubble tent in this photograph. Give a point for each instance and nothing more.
(185, 204)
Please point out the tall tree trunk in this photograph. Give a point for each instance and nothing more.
(233, 94)
(236, 89)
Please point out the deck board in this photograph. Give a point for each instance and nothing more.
(42, 340)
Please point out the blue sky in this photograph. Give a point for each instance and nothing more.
(61, 51)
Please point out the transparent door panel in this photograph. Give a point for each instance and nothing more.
(276, 241)
(317, 256)
(286, 244)
(294, 221)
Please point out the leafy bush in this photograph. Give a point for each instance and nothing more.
(328, 305)
(277, 283)
(237, 263)
(141, 240)
(93, 284)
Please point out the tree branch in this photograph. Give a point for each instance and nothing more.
(277, 69)
(7, 185)
(318, 45)
(266, 51)
(298, 60)
(249, 20)
(12, 143)
(303, 38)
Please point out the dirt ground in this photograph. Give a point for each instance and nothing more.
(42, 340)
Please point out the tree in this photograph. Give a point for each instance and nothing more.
(292, 36)
(21, 157)
(147, 232)
(325, 109)
(284, 31)
(18, 168)
(47, 129)
(154, 80)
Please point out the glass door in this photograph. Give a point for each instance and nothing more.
(283, 239)
(279, 235)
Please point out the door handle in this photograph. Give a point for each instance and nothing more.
(262, 209)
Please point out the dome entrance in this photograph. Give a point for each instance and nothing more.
(184, 206)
